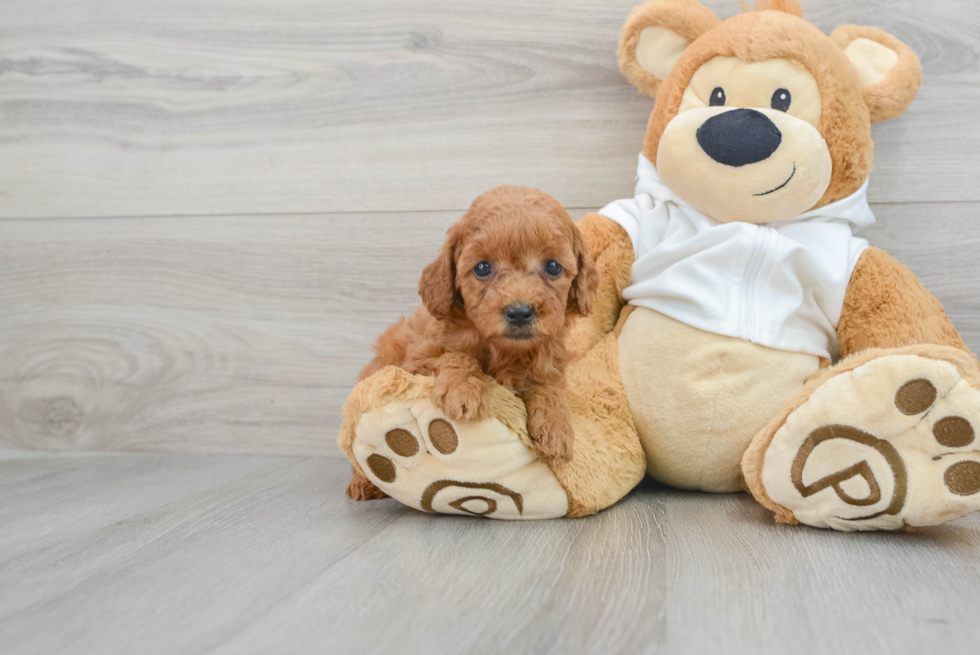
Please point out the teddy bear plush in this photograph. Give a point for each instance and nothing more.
(744, 338)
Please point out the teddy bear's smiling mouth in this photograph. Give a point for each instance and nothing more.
(766, 193)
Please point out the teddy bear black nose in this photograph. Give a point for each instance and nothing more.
(739, 137)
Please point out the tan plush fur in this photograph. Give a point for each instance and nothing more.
(687, 18)
(887, 307)
(892, 95)
(612, 251)
(786, 6)
(463, 334)
(609, 460)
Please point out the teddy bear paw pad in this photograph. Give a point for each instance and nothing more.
(890, 443)
(418, 456)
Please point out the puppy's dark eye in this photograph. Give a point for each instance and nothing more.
(781, 100)
(553, 268)
(483, 270)
(717, 97)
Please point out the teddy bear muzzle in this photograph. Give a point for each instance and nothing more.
(753, 165)
(739, 137)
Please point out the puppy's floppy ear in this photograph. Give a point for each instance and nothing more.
(586, 282)
(656, 35)
(889, 71)
(437, 286)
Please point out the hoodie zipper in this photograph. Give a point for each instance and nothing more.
(760, 249)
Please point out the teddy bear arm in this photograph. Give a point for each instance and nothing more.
(887, 307)
(612, 250)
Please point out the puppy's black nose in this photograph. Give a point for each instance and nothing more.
(739, 137)
(518, 314)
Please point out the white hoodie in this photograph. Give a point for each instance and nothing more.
(780, 285)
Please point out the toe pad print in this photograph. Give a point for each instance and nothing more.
(416, 455)
(402, 442)
(953, 432)
(847, 460)
(963, 478)
(442, 436)
(382, 467)
(915, 396)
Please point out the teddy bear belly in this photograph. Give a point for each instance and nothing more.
(698, 398)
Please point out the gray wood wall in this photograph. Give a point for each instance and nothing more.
(208, 210)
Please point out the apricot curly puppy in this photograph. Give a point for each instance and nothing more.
(497, 305)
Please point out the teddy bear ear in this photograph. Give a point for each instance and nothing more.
(656, 35)
(890, 73)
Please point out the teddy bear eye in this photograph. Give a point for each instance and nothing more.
(717, 97)
(483, 270)
(781, 100)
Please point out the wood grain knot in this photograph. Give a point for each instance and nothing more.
(62, 415)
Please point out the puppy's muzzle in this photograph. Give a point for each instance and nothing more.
(519, 314)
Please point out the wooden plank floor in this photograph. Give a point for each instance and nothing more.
(156, 553)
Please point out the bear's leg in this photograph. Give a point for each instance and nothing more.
(607, 457)
(401, 444)
(883, 440)
(406, 448)
(887, 437)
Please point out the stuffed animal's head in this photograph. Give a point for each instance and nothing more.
(762, 116)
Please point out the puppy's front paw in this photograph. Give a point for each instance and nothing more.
(552, 436)
(462, 398)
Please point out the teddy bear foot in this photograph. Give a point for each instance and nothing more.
(882, 445)
(414, 453)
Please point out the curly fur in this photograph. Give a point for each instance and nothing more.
(461, 336)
